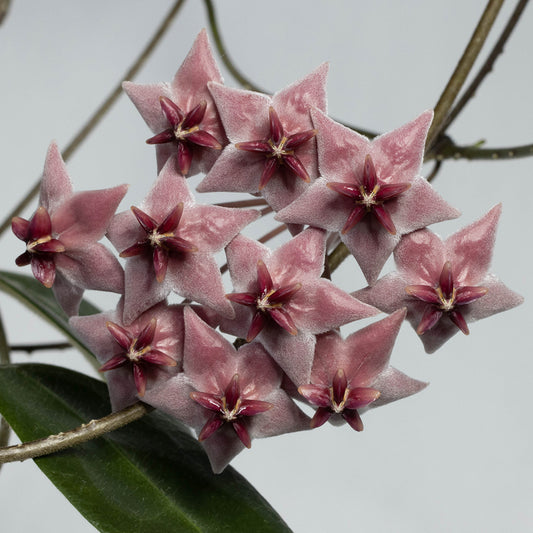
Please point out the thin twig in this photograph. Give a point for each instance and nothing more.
(337, 256)
(83, 433)
(29, 348)
(243, 203)
(239, 76)
(102, 110)
(462, 70)
(452, 151)
(487, 65)
(234, 71)
(434, 171)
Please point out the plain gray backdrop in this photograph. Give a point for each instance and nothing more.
(456, 457)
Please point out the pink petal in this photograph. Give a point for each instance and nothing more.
(202, 138)
(121, 335)
(253, 407)
(44, 270)
(172, 111)
(269, 168)
(295, 140)
(56, 187)
(256, 326)
(361, 397)
(20, 227)
(283, 319)
(207, 400)
(263, 277)
(429, 319)
(353, 418)
(424, 293)
(321, 416)
(242, 433)
(466, 295)
(115, 362)
(315, 395)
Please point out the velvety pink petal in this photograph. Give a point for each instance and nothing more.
(320, 306)
(141, 288)
(329, 357)
(395, 385)
(499, 298)
(335, 142)
(318, 206)
(293, 353)
(205, 348)
(211, 228)
(418, 207)
(197, 70)
(124, 231)
(68, 296)
(243, 254)
(420, 257)
(470, 249)
(146, 100)
(86, 215)
(197, 276)
(234, 171)
(305, 251)
(367, 351)
(56, 186)
(93, 267)
(399, 153)
(295, 101)
(371, 245)
(244, 114)
(388, 294)
(168, 190)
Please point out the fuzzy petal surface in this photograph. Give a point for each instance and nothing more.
(397, 158)
(187, 89)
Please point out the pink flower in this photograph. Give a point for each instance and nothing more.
(61, 237)
(229, 397)
(444, 284)
(281, 299)
(354, 374)
(146, 351)
(273, 148)
(170, 242)
(182, 113)
(369, 191)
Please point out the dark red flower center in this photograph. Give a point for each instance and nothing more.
(269, 301)
(340, 399)
(161, 239)
(185, 131)
(279, 150)
(41, 246)
(443, 299)
(230, 407)
(138, 351)
(369, 196)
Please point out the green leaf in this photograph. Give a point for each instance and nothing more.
(151, 475)
(28, 291)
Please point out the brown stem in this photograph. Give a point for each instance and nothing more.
(337, 256)
(487, 65)
(29, 348)
(452, 151)
(462, 70)
(83, 433)
(100, 113)
(243, 203)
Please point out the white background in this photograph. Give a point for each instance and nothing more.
(458, 456)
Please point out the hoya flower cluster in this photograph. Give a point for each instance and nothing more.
(329, 184)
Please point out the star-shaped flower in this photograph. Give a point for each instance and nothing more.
(182, 114)
(170, 242)
(444, 284)
(273, 148)
(61, 237)
(134, 356)
(229, 397)
(369, 191)
(281, 299)
(354, 374)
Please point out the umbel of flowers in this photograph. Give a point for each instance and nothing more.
(283, 312)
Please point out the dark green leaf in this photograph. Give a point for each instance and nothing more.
(41, 300)
(149, 476)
